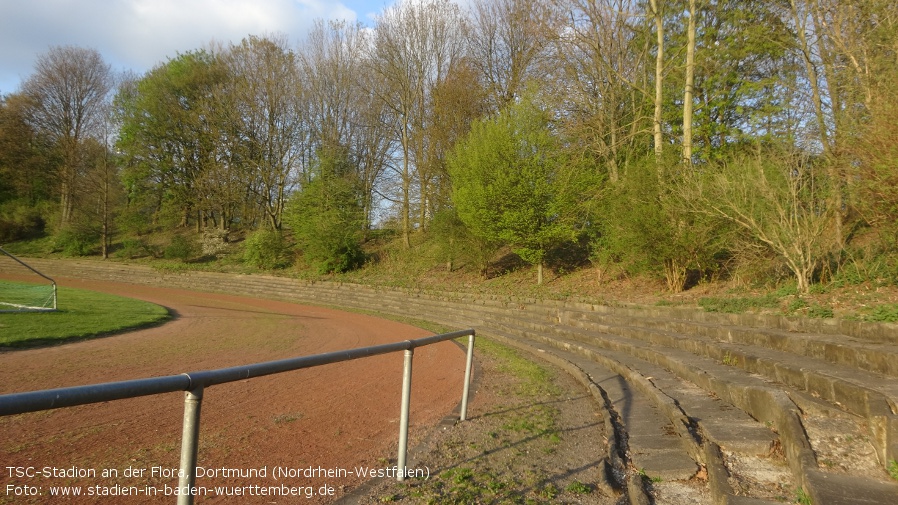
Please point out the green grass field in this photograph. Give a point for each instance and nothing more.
(82, 314)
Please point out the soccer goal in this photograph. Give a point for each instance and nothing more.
(24, 294)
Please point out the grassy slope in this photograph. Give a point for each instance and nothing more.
(424, 267)
(81, 314)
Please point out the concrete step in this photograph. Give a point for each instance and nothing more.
(721, 385)
(874, 356)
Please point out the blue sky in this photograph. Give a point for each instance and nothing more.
(138, 34)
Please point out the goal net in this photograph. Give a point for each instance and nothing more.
(22, 288)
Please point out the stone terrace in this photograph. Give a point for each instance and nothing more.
(725, 409)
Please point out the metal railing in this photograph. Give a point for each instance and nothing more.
(194, 383)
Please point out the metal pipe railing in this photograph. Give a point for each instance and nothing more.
(194, 383)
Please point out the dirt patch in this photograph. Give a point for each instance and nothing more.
(317, 425)
(521, 445)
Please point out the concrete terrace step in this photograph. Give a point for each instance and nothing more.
(720, 385)
(875, 356)
(870, 395)
(754, 396)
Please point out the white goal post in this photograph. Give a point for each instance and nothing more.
(15, 296)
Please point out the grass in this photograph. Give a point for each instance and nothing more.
(802, 497)
(82, 314)
(882, 314)
(739, 305)
(730, 360)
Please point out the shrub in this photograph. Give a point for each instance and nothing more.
(180, 248)
(327, 220)
(76, 241)
(19, 221)
(267, 249)
(133, 248)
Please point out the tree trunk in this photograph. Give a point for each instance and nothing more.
(659, 77)
(688, 92)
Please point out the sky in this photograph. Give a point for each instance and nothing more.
(138, 34)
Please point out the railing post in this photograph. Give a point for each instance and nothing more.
(403, 414)
(189, 445)
(468, 365)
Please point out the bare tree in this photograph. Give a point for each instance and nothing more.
(342, 101)
(604, 63)
(68, 94)
(264, 78)
(414, 45)
(506, 41)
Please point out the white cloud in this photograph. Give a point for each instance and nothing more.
(138, 34)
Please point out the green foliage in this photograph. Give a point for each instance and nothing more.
(513, 184)
(327, 217)
(882, 314)
(180, 248)
(169, 135)
(267, 249)
(796, 305)
(645, 223)
(820, 311)
(455, 241)
(549, 491)
(814, 310)
(579, 488)
(134, 220)
(76, 240)
(19, 220)
(893, 469)
(878, 265)
(133, 248)
(729, 359)
(739, 305)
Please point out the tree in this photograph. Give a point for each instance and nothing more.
(511, 183)
(507, 41)
(602, 90)
(170, 135)
(262, 84)
(326, 216)
(67, 96)
(26, 172)
(414, 45)
(343, 105)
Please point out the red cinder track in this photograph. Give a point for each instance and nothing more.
(331, 419)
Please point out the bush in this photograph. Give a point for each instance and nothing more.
(180, 248)
(133, 248)
(267, 249)
(76, 241)
(19, 221)
(645, 222)
(327, 219)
